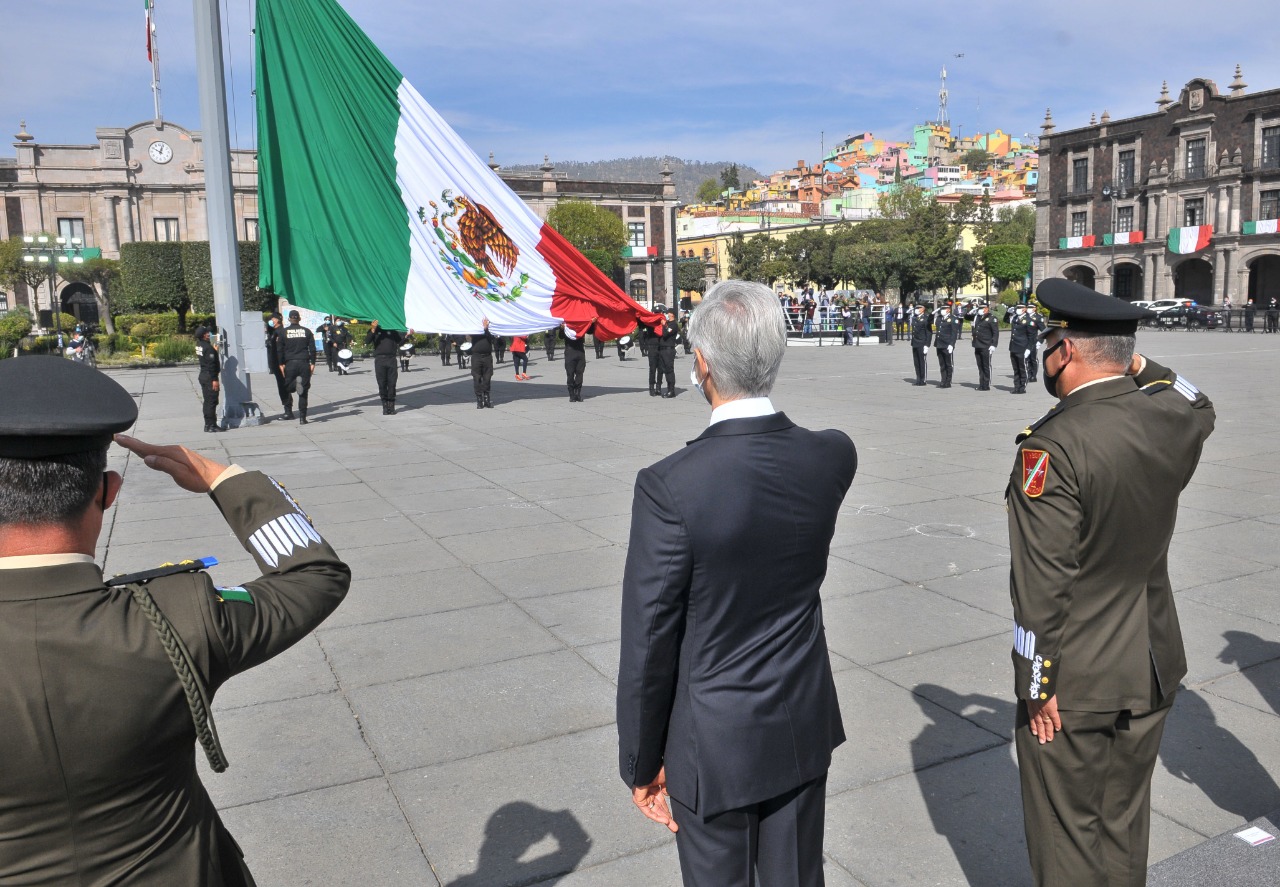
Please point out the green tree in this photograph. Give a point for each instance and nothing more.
(102, 276)
(760, 258)
(13, 270)
(690, 276)
(977, 159)
(708, 191)
(960, 270)
(151, 279)
(1014, 225)
(729, 177)
(596, 232)
(1007, 262)
(15, 325)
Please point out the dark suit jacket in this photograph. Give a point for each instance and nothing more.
(98, 781)
(724, 674)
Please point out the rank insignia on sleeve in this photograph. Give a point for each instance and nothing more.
(1035, 467)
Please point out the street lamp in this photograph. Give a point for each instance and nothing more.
(1111, 194)
(47, 255)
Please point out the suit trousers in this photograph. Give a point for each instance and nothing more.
(667, 358)
(776, 843)
(983, 356)
(917, 357)
(1019, 370)
(481, 374)
(1086, 796)
(655, 367)
(297, 377)
(386, 371)
(575, 363)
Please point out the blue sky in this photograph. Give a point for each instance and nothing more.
(756, 81)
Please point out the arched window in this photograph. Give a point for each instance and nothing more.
(639, 288)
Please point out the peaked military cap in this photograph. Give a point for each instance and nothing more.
(1075, 307)
(51, 406)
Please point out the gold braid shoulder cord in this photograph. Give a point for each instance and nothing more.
(197, 699)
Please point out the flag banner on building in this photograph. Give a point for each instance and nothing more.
(146, 5)
(1267, 226)
(1076, 242)
(1189, 240)
(1122, 237)
(371, 206)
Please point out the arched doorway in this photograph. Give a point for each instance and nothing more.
(1128, 284)
(1264, 279)
(1081, 274)
(78, 300)
(1193, 279)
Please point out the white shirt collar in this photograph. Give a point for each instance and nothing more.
(1092, 382)
(745, 408)
(27, 561)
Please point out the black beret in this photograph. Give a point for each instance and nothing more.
(1073, 306)
(55, 407)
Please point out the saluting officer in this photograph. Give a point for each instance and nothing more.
(945, 341)
(210, 370)
(99, 778)
(920, 331)
(1021, 344)
(1038, 326)
(667, 353)
(1097, 650)
(296, 351)
(986, 336)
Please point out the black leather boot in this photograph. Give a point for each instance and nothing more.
(479, 401)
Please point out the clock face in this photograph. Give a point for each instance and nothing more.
(160, 152)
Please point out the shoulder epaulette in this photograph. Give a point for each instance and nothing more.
(1157, 385)
(188, 566)
(1031, 429)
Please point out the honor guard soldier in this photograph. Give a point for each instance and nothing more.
(986, 336)
(1021, 344)
(945, 341)
(1097, 652)
(920, 332)
(386, 363)
(666, 349)
(109, 682)
(274, 324)
(296, 351)
(210, 369)
(1038, 326)
(575, 359)
(482, 366)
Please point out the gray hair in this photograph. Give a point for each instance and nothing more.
(740, 330)
(49, 491)
(1103, 351)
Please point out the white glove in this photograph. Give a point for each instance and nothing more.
(926, 350)
(1026, 353)
(1039, 345)
(991, 350)
(951, 349)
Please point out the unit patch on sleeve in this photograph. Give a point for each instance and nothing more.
(1035, 468)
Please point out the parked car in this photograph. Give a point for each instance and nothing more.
(1189, 315)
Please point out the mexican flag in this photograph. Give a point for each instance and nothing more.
(151, 28)
(1122, 238)
(1189, 240)
(1076, 242)
(1267, 226)
(371, 206)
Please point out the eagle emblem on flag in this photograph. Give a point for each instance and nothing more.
(1035, 468)
(474, 247)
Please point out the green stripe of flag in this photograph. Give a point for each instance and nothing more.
(319, 73)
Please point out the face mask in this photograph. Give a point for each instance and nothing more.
(697, 383)
(1051, 379)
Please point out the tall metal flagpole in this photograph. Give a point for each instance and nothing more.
(237, 404)
(155, 62)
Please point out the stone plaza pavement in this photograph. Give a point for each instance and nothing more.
(453, 722)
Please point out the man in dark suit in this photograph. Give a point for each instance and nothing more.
(1097, 651)
(108, 682)
(727, 711)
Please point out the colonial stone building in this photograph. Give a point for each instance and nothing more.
(1180, 203)
(146, 182)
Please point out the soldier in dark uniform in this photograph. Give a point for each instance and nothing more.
(1038, 326)
(500, 349)
(599, 346)
(550, 342)
(482, 365)
(667, 354)
(1097, 649)
(920, 331)
(655, 359)
(1273, 316)
(274, 324)
(99, 780)
(446, 344)
(296, 351)
(1249, 310)
(464, 356)
(986, 336)
(329, 336)
(341, 338)
(643, 338)
(386, 363)
(575, 360)
(944, 340)
(210, 369)
(1021, 344)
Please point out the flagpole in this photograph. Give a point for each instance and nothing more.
(155, 63)
(237, 404)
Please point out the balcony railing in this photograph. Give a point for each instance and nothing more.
(1193, 172)
(1266, 164)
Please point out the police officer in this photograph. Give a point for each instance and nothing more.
(1038, 326)
(1021, 344)
(99, 779)
(945, 341)
(550, 342)
(1097, 650)
(575, 359)
(274, 323)
(339, 338)
(328, 332)
(986, 336)
(920, 331)
(666, 349)
(210, 369)
(482, 365)
(643, 340)
(464, 354)
(386, 362)
(296, 351)
(653, 340)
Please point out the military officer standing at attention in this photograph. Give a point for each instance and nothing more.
(986, 336)
(210, 369)
(920, 331)
(1021, 344)
(107, 680)
(1097, 652)
(482, 366)
(386, 363)
(296, 351)
(667, 353)
(945, 341)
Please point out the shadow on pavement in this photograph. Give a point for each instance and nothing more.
(511, 832)
(1244, 650)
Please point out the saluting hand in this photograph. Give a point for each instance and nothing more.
(189, 470)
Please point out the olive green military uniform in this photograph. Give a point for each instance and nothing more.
(98, 782)
(1092, 503)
